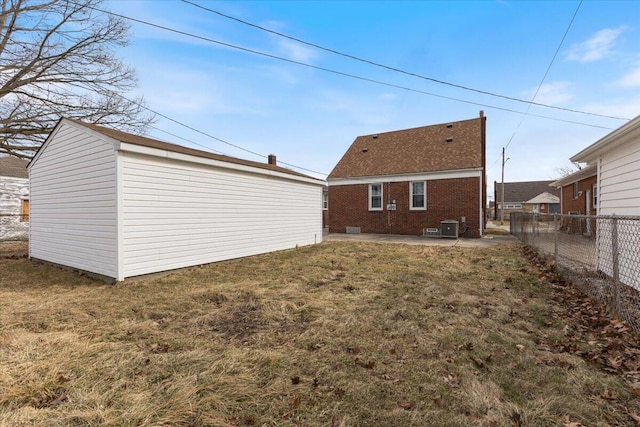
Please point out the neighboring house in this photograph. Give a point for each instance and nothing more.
(14, 199)
(543, 203)
(410, 181)
(579, 192)
(325, 207)
(121, 205)
(616, 158)
(526, 196)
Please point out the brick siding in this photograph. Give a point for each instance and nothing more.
(579, 204)
(446, 199)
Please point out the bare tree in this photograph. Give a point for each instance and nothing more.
(58, 59)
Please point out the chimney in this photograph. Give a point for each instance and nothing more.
(272, 159)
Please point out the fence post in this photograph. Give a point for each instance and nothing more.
(555, 238)
(615, 260)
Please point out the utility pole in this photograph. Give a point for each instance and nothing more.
(502, 191)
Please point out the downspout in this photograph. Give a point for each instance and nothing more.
(389, 202)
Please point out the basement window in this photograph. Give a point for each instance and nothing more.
(375, 197)
(417, 192)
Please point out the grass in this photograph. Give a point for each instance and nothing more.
(338, 334)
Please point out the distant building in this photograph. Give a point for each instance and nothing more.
(526, 196)
(14, 199)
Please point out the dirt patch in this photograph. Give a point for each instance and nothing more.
(14, 250)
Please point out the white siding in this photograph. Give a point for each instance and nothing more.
(12, 192)
(619, 194)
(620, 180)
(178, 214)
(73, 202)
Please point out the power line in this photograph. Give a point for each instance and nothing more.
(564, 36)
(398, 70)
(328, 70)
(205, 134)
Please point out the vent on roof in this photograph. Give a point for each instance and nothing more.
(450, 125)
(450, 139)
(365, 149)
(375, 136)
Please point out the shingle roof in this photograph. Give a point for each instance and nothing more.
(13, 167)
(545, 197)
(153, 143)
(447, 146)
(521, 192)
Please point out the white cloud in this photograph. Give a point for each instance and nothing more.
(596, 48)
(297, 51)
(631, 79)
(555, 93)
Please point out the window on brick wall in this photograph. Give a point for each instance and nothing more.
(417, 193)
(325, 200)
(595, 196)
(375, 197)
(576, 193)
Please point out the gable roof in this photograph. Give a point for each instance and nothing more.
(446, 146)
(621, 135)
(579, 175)
(521, 192)
(13, 167)
(130, 138)
(545, 197)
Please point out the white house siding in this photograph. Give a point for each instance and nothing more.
(73, 202)
(619, 194)
(178, 214)
(620, 181)
(12, 192)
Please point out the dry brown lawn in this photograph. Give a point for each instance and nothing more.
(338, 334)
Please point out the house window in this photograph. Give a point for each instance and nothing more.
(325, 200)
(417, 195)
(576, 193)
(24, 217)
(595, 195)
(375, 197)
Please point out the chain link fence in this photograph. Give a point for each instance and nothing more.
(599, 254)
(14, 227)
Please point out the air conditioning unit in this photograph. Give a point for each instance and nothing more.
(449, 228)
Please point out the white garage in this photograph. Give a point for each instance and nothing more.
(121, 205)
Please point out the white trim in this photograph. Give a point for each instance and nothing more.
(423, 176)
(618, 136)
(381, 196)
(482, 208)
(119, 218)
(140, 149)
(424, 195)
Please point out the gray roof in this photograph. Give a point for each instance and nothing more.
(13, 167)
(521, 192)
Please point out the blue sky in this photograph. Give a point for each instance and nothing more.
(309, 117)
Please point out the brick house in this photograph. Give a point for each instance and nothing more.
(409, 181)
(525, 196)
(579, 192)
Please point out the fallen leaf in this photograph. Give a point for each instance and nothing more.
(520, 347)
(405, 405)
